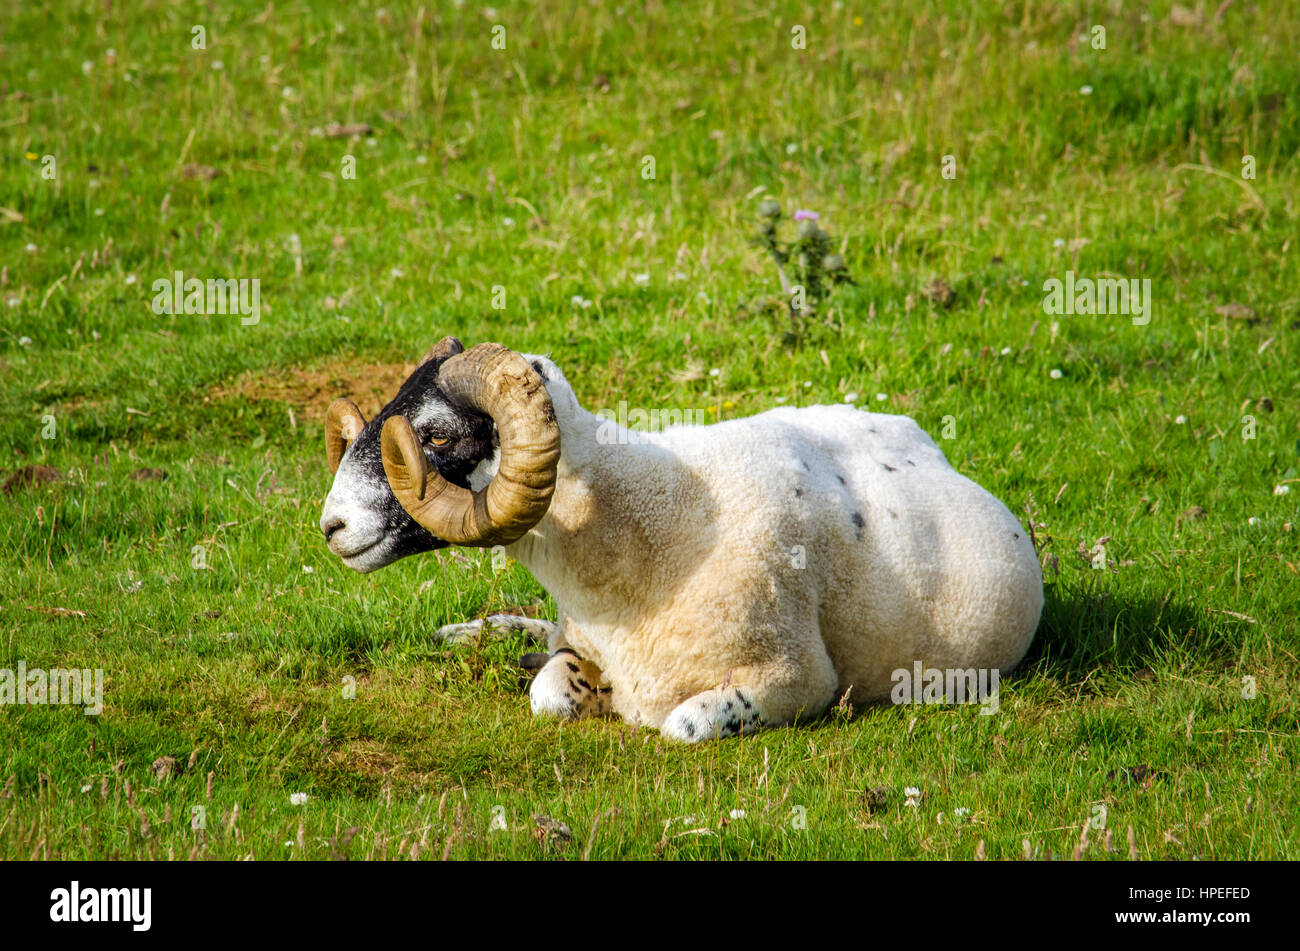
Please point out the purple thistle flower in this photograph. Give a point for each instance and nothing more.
(804, 215)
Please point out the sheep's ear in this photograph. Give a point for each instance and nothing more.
(442, 350)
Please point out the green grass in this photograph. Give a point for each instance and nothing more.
(522, 168)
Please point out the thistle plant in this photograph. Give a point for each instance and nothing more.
(816, 268)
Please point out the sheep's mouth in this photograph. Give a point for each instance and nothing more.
(388, 549)
(355, 552)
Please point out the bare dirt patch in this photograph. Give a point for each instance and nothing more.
(30, 475)
(309, 391)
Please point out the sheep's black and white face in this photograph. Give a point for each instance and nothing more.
(363, 522)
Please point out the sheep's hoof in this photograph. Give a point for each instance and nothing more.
(534, 662)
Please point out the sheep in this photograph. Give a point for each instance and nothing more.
(709, 580)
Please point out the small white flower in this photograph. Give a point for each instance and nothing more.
(911, 792)
(715, 372)
(1085, 90)
(676, 276)
(218, 65)
(791, 148)
(298, 799)
(881, 397)
(508, 222)
(1252, 521)
(86, 788)
(397, 272)
(850, 397)
(130, 279)
(1058, 243)
(288, 92)
(703, 296)
(737, 813)
(308, 570)
(93, 183)
(24, 341)
(422, 160)
(99, 212)
(807, 384)
(288, 844)
(87, 66)
(316, 132)
(577, 300)
(640, 280)
(780, 399)
(1006, 351)
(14, 302)
(1055, 374)
(372, 142)
(960, 812)
(1180, 419)
(264, 58)
(1281, 489)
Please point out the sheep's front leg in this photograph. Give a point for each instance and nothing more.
(497, 626)
(754, 698)
(715, 714)
(570, 688)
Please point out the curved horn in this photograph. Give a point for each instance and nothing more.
(440, 351)
(500, 383)
(343, 423)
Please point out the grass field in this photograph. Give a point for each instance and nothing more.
(1160, 704)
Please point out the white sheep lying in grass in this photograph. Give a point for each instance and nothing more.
(709, 580)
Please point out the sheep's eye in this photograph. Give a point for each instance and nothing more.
(437, 441)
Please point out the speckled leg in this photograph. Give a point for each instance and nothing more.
(569, 687)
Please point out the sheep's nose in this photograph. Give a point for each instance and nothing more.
(332, 526)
